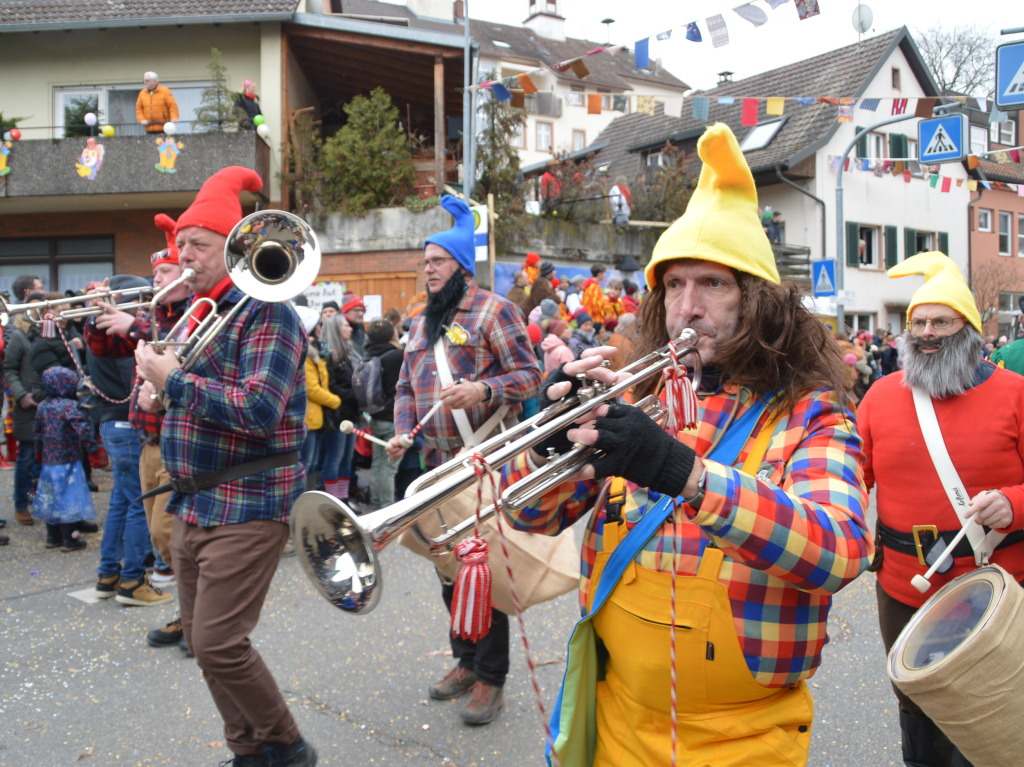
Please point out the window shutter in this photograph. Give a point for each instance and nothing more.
(909, 242)
(891, 256)
(852, 243)
(899, 145)
(944, 242)
(862, 143)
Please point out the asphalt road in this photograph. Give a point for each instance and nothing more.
(78, 684)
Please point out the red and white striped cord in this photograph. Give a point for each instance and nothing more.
(88, 381)
(482, 469)
(673, 673)
(680, 397)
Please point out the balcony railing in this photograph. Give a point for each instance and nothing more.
(127, 164)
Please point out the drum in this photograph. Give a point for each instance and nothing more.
(961, 659)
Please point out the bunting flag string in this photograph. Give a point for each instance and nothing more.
(716, 26)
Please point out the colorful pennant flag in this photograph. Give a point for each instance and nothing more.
(933, 180)
(947, 182)
(579, 68)
(719, 32)
(500, 92)
(925, 107)
(865, 164)
(804, 101)
(664, 35)
(907, 175)
(526, 83)
(870, 104)
(899, 106)
(972, 162)
(775, 106)
(845, 113)
(1020, 190)
(642, 54)
(593, 103)
(751, 13)
(972, 185)
(645, 105)
(749, 115)
(518, 98)
(1015, 155)
(805, 9)
(996, 116)
(726, 100)
(701, 108)
(693, 33)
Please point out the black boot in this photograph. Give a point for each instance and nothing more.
(925, 745)
(53, 536)
(69, 536)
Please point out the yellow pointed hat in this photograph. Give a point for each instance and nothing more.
(720, 223)
(943, 284)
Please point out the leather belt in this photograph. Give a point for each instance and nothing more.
(192, 485)
(918, 542)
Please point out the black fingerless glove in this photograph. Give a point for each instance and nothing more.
(639, 450)
(558, 440)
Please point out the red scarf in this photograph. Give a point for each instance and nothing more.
(216, 293)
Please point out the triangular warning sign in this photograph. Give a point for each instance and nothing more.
(941, 143)
(824, 286)
(1017, 83)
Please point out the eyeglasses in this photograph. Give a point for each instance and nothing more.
(435, 261)
(939, 324)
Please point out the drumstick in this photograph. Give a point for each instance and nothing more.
(347, 427)
(920, 582)
(406, 439)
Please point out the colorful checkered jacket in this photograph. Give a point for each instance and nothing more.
(243, 399)
(792, 536)
(496, 350)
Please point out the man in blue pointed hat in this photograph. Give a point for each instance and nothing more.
(468, 349)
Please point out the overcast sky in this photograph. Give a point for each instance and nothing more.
(782, 40)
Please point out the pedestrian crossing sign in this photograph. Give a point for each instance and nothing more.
(823, 277)
(942, 139)
(1010, 76)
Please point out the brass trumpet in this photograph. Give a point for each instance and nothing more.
(338, 549)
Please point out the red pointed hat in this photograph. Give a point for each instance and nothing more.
(217, 206)
(168, 255)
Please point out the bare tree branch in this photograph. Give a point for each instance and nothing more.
(962, 59)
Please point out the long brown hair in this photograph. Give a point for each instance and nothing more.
(778, 346)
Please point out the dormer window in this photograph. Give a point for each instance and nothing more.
(761, 135)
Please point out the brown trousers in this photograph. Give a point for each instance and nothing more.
(224, 573)
(153, 474)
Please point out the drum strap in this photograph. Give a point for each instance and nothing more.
(982, 544)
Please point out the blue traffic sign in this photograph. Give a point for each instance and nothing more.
(1010, 76)
(942, 139)
(823, 277)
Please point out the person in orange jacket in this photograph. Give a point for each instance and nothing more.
(155, 104)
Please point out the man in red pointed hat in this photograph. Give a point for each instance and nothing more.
(114, 334)
(231, 436)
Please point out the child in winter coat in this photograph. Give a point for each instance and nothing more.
(556, 350)
(61, 431)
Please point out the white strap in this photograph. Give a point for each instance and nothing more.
(470, 438)
(956, 492)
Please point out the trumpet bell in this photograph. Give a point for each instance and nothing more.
(272, 255)
(336, 552)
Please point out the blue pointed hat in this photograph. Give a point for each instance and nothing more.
(459, 239)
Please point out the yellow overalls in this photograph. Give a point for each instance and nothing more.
(726, 719)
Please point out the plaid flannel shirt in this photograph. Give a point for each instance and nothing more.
(243, 399)
(498, 352)
(792, 536)
(118, 346)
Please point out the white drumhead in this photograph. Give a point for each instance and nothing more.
(945, 623)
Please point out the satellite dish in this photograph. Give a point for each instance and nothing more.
(862, 18)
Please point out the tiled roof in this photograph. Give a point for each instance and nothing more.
(1009, 173)
(845, 72)
(613, 71)
(47, 12)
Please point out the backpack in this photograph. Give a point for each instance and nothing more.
(368, 385)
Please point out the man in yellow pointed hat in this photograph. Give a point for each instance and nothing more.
(758, 509)
(979, 409)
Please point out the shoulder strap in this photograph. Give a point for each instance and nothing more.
(982, 544)
(470, 438)
(726, 451)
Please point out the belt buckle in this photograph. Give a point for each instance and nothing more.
(186, 485)
(916, 531)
